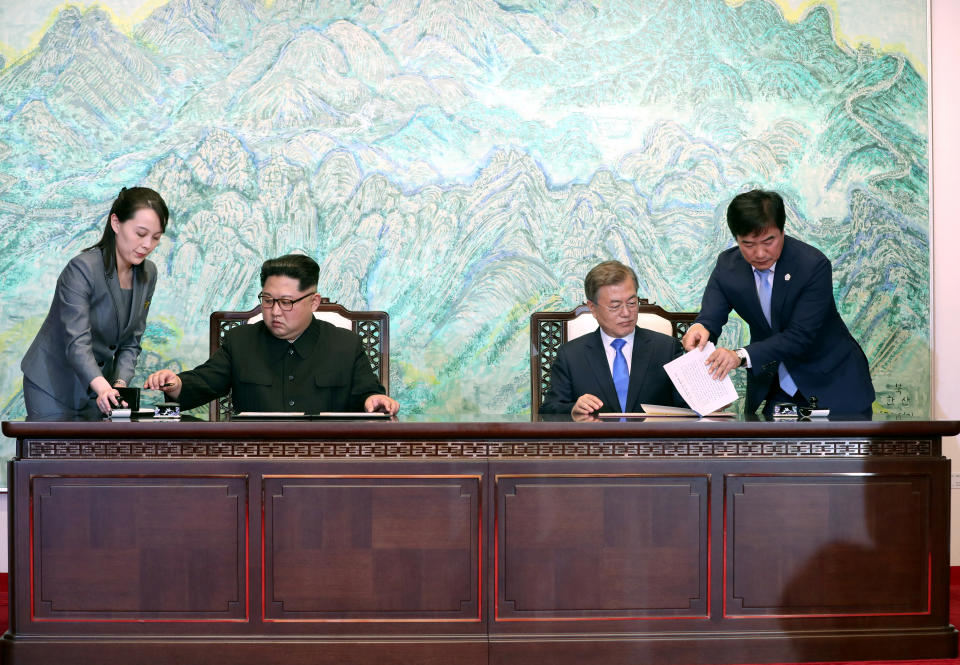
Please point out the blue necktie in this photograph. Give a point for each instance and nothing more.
(621, 375)
(765, 291)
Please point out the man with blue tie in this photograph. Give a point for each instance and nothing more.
(800, 349)
(619, 366)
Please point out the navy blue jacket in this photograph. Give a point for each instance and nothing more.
(807, 333)
(581, 368)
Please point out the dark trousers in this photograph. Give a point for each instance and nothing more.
(777, 394)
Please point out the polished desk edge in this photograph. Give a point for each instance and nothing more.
(399, 431)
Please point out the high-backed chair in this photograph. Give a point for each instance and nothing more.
(372, 327)
(548, 330)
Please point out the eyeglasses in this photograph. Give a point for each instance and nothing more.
(286, 304)
(630, 305)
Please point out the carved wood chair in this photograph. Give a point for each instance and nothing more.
(372, 327)
(548, 330)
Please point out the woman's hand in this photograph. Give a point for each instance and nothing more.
(107, 396)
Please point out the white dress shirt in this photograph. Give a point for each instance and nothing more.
(612, 352)
(756, 280)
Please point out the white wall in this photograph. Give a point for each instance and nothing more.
(945, 105)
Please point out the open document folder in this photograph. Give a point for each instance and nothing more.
(661, 411)
(700, 391)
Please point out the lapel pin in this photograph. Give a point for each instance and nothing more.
(786, 277)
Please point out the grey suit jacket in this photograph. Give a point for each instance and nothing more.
(83, 336)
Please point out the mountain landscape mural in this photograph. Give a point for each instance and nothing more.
(461, 164)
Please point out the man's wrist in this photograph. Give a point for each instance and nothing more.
(743, 356)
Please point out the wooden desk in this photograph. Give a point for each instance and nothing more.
(477, 542)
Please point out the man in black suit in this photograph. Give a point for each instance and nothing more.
(799, 348)
(619, 366)
(290, 361)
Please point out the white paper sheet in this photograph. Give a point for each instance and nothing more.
(692, 379)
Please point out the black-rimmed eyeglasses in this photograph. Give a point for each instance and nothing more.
(286, 304)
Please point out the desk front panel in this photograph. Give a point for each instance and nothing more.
(191, 546)
(602, 556)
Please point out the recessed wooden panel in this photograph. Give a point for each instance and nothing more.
(828, 545)
(602, 547)
(116, 548)
(372, 548)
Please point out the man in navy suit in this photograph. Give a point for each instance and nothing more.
(800, 348)
(619, 366)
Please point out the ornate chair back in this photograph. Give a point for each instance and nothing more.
(372, 327)
(548, 330)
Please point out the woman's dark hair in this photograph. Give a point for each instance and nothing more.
(128, 202)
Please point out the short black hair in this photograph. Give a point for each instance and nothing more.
(607, 274)
(754, 211)
(294, 266)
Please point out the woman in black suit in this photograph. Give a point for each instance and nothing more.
(90, 341)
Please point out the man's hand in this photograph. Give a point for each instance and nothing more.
(721, 362)
(585, 418)
(164, 380)
(381, 403)
(696, 337)
(586, 405)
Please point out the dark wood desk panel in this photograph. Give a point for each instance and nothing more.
(343, 547)
(429, 542)
(618, 545)
(819, 545)
(144, 548)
